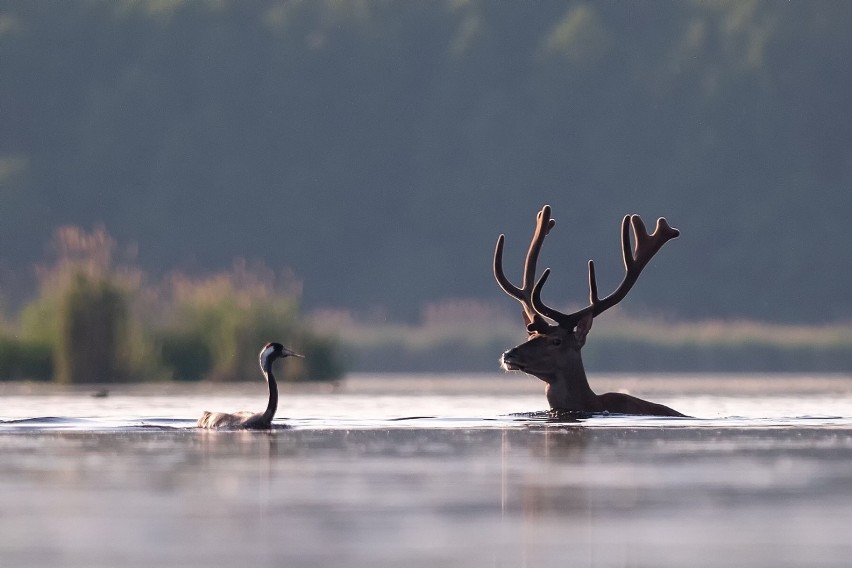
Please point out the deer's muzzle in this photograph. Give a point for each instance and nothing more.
(510, 361)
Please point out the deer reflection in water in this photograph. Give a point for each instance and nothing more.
(552, 351)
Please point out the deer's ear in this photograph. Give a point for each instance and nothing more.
(584, 326)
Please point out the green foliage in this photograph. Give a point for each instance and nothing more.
(93, 332)
(232, 334)
(25, 359)
(98, 321)
(185, 354)
(323, 359)
(222, 322)
(39, 321)
(84, 313)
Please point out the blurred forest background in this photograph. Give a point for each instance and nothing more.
(368, 153)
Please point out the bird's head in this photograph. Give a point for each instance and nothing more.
(273, 351)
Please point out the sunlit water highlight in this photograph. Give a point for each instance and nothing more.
(442, 401)
(437, 471)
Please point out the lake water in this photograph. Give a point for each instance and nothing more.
(429, 471)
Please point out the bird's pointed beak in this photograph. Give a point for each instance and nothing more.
(288, 353)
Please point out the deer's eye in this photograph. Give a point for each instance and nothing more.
(556, 341)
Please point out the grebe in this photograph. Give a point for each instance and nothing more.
(248, 420)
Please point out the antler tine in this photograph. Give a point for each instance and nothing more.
(504, 283)
(543, 225)
(593, 285)
(524, 294)
(646, 246)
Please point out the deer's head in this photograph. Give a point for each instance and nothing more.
(552, 351)
(549, 353)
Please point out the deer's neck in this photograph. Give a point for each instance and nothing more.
(569, 389)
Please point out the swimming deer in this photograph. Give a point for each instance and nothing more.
(552, 351)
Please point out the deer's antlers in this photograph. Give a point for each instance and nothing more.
(532, 319)
(646, 246)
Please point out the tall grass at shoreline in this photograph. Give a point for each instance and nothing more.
(470, 336)
(98, 319)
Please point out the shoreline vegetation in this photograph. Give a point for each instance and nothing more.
(469, 336)
(97, 318)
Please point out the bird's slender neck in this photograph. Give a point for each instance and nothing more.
(269, 413)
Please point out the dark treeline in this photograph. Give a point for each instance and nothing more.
(378, 148)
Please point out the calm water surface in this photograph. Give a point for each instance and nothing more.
(429, 472)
